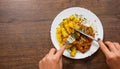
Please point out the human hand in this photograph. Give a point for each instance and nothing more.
(53, 60)
(112, 53)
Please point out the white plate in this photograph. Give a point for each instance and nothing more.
(92, 19)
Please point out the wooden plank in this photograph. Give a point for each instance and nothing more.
(25, 31)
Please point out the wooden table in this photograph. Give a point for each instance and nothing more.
(25, 31)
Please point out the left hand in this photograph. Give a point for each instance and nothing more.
(53, 60)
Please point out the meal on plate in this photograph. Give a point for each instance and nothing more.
(66, 28)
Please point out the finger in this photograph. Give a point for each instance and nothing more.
(52, 51)
(60, 52)
(111, 46)
(60, 62)
(117, 46)
(45, 57)
(42, 63)
(104, 48)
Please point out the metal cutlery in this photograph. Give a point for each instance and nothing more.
(86, 34)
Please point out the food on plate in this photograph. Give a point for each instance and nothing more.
(66, 28)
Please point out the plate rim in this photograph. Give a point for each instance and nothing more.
(77, 8)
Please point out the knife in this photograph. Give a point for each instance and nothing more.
(86, 35)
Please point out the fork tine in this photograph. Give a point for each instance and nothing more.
(70, 39)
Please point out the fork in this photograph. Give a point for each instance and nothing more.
(70, 39)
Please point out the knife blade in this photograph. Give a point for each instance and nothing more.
(86, 34)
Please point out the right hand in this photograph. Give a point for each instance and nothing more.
(112, 53)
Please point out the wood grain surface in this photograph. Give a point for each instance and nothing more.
(25, 31)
